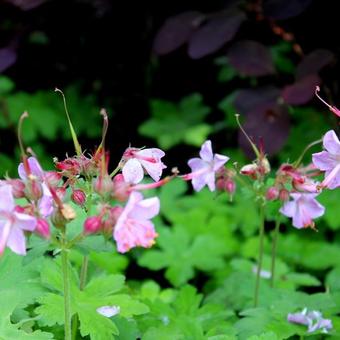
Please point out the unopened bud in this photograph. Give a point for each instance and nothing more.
(264, 166)
(103, 185)
(111, 219)
(78, 197)
(284, 195)
(92, 224)
(272, 193)
(43, 228)
(249, 170)
(120, 188)
(53, 178)
(61, 191)
(68, 212)
(33, 190)
(18, 187)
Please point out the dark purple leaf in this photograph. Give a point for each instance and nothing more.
(215, 33)
(251, 58)
(176, 31)
(7, 58)
(302, 91)
(271, 124)
(249, 99)
(26, 5)
(284, 9)
(314, 62)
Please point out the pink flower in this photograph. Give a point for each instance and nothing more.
(329, 160)
(303, 209)
(108, 311)
(45, 203)
(138, 160)
(133, 227)
(204, 169)
(12, 223)
(313, 320)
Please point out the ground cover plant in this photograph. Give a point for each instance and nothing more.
(207, 208)
(65, 235)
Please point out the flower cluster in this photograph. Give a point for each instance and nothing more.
(312, 319)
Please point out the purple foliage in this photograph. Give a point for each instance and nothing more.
(301, 91)
(216, 32)
(270, 122)
(176, 31)
(284, 9)
(7, 58)
(251, 58)
(313, 62)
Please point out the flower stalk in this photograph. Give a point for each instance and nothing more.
(274, 248)
(67, 292)
(260, 256)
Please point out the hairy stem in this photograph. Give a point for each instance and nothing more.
(82, 283)
(274, 247)
(67, 293)
(260, 256)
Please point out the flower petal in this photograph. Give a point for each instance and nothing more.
(219, 161)
(145, 209)
(24, 222)
(331, 142)
(197, 164)
(206, 151)
(6, 198)
(133, 171)
(16, 241)
(324, 160)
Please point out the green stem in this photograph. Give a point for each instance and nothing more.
(259, 264)
(274, 247)
(119, 166)
(82, 283)
(67, 293)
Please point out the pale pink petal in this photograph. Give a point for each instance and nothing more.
(332, 178)
(151, 153)
(6, 198)
(16, 241)
(153, 169)
(5, 229)
(219, 161)
(324, 160)
(146, 209)
(206, 151)
(288, 209)
(24, 221)
(198, 183)
(313, 208)
(197, 164)
(45, 204)
(331, 143)
(210, 180)
(133, 171)
(35, 168)
(108, 311)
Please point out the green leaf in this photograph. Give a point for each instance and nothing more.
(172, 124)
(6, 85)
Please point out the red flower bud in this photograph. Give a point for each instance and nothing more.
(272, 193)
(103, 185)
(120, 188)
(43, 228)
(78, 197)
(53, 178)
(33, 190)
(284, 195)
(18, 187)
(92, 225)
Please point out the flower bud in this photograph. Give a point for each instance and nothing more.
(78, 197)
(61, 191)
(250, 170)
(272, 193)
(103, 185)
(18, 187)
(33, 190)
(120, 188)
(53, 178)
(111, 219)
(43, 228)
(264, 166)
(284, 195)
(92, 224)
